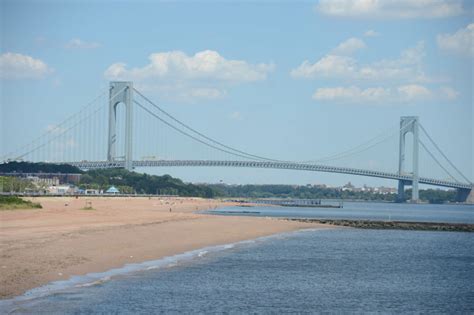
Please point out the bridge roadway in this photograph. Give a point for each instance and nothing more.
(272, 165)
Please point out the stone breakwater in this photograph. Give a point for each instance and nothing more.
(393, 225)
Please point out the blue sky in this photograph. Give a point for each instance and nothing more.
(289, 80)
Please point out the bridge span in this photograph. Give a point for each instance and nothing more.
(269, 165)
(83, 140)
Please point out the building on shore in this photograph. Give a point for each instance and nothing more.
(112, 191)
(62, 190)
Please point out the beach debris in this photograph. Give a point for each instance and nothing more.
(88, 205)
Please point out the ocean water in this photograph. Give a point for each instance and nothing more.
(336, 270)
(365, 211)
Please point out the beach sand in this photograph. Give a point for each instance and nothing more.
(62, 240)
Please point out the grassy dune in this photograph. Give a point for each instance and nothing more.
(14, 202)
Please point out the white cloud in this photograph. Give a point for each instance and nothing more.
(236, 116)
(206, 64)
(408, 67)
(461, 42)
(77, 43)
(209, 93)
(394, 9)
(204, 75)
(371, 33)
(186, 92)
(404, 94)
(328, 66)
(116, 70)
(351, 94)
(18, 66)
(448, 93)
(398, 80)
(334, 64)
(349, 46)
(413, 92)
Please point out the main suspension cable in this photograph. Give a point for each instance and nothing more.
(189, 135)
(50, 132)
(436, 160)
(55, 128)
(361, 147)
(446, 158)
(251, 156)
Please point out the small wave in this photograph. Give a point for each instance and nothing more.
(90, 284)
(152, 267)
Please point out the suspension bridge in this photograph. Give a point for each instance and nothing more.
(121, 123)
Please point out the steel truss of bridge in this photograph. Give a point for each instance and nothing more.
(88, 165)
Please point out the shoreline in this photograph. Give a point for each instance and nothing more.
(60, 241)
(96, 278)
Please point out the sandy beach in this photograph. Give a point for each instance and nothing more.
(62, 239)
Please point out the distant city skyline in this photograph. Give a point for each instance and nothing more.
(292, 81)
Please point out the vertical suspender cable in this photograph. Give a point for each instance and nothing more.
(446, 158)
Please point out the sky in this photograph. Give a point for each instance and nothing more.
(284, 79)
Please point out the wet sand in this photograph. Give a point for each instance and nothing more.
(62, 240)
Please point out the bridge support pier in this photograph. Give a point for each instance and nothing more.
(465, 195)
(121, 92)
(401, 191)
(408, 124)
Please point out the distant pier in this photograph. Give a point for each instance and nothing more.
(291, 202)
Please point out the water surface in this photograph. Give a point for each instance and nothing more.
(339, 270)
(366, 211)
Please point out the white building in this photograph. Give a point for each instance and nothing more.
(62, 190)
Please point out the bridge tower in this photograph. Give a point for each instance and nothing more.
(408, 124)
(121, 92)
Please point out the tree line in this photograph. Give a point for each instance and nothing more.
(29, 167)
(133, 182)
(318, 192)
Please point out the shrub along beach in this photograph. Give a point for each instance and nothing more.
(14, 202)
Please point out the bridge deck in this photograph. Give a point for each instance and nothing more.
(272, 165)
